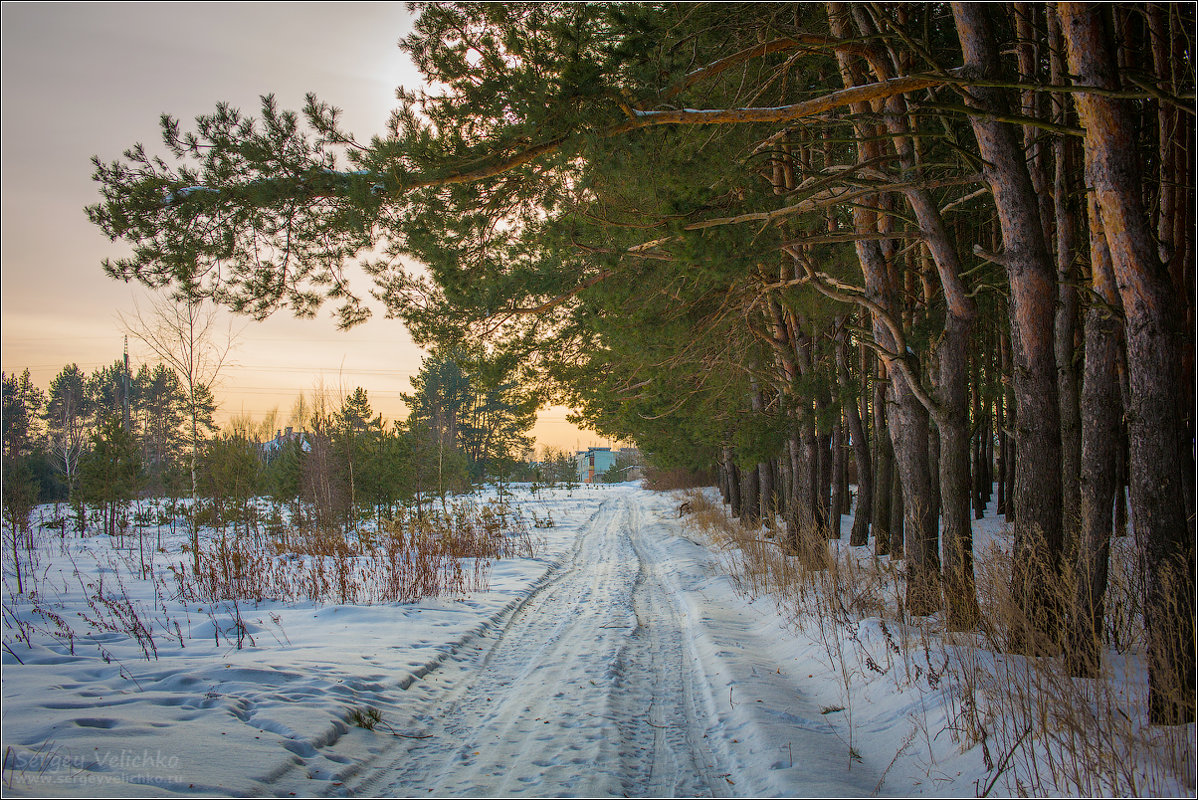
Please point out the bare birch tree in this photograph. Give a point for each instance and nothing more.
(184, 332)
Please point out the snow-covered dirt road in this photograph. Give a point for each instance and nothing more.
(612, 678)
(621, 660)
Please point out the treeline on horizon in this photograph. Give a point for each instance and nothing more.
(103, 439)
(938, 246)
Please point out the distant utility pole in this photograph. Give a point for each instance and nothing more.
(125, 399)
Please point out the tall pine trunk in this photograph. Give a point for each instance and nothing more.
(1100, 444)
(734, 502)
(750, 509)
(959, 586)
(1032, 278)
(1157, 445)
(1067, 300)
(898, 527)
(908, 417)
(836, 506)
(883, 468)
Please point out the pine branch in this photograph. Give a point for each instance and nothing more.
(310, 186)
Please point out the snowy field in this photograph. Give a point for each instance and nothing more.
(623, 660)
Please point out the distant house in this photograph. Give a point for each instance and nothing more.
(630, 456)
(271, 448)
(593, 462)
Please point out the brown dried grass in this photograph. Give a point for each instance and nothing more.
(1039, 729)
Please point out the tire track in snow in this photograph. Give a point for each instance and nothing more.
(587, 690)
(681, 762)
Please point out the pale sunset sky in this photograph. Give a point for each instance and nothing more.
(83, 79)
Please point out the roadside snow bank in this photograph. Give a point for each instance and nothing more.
(919, 710)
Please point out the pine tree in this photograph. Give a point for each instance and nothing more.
(356, 438)
(110, 472)
(20, 406)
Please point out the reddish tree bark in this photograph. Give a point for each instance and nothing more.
(883, 468)
(908, 418)
(1100, 443)
(1032, 278)
(1158, 445)
(1067, 300)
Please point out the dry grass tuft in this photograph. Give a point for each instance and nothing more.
(665, 480)
(445, 551)
(1088, 736)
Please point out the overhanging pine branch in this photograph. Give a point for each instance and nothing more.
(402, 184)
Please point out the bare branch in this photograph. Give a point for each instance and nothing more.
(836, 238)
(725, 116)
(845, 293)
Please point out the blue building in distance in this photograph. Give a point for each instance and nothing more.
(593, 462)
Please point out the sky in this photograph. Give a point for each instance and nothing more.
(84, 79)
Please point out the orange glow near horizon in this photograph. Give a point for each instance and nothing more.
(93, 79)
